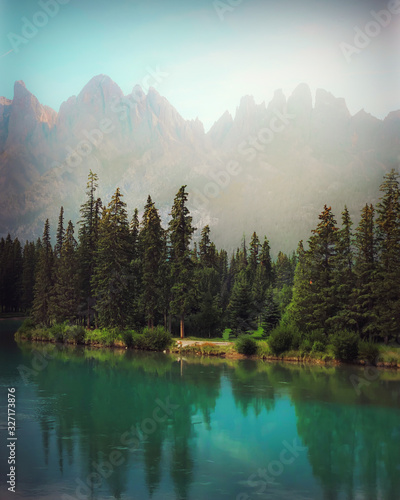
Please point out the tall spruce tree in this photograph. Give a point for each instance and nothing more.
(207, 317)
(224, 279)
(242, 313)
(166, 281)
(180, 233)
(152, 241)
(207, 250)
(260, 273)
(266, 263)
(314, 294)
(64, 301)
(343, 278)
(88, 238)
(111, 274)
(254, 257)
(59, 235)
(44, 280)
(28, 275)
(135, 283)
(388, 272)
(364, 298)
(271, 314)
(283, 271)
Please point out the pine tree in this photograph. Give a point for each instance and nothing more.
(207, 318)
(322, 248)
(64, 299)
(44, 280)
(207, 250)
(166, 281)
(261, 278)
(271, 314)
(135, 283)
(88, 238)
(224, 278)
(152, 239)
(241, 255)
(314, 294)
(111, 274)
(364, 298)
(282, 271)
(388, 239)
(134, 232)
(241, 307)
(60, 234)
(343, 278)
(301, 307)
(17, 268)
(254, 257)
(28, 275)
(266, 263)
(180, 232)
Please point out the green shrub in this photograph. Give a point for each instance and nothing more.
(368, 352)
(318, 336)
(296, 339)
(25, 330)
(281, 339)
(56, 332)
(101, 336)
(127, 337)
(74, 334)
(263, 349)
(318, 346)
(345, 345)
(27, 326)
(246, 345)
(24, 335)
(157, 339)
(138, 341)
(226, 333)
(306, 346)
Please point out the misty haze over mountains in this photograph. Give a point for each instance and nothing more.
(270, 168)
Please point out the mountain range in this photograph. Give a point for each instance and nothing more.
(270, 168)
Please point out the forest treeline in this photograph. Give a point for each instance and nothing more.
(120, 273)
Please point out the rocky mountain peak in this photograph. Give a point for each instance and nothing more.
(325, 102)
(220, 129)
(100, 90)
(300, 102)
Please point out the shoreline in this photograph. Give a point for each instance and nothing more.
(198, 349)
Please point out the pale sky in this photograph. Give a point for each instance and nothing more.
(206, 54)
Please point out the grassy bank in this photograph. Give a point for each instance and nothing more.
(157, 339)
(344, 348)
(281, 345)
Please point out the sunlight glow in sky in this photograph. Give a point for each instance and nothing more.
(210, 53)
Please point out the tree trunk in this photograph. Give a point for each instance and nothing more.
(169, 323)
(182, 326)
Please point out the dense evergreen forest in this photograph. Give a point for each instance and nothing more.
(118, 273)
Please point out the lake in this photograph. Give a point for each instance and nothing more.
(116, 424)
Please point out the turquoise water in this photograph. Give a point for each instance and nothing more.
(105, 424)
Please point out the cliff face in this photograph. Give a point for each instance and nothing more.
(270, 168)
